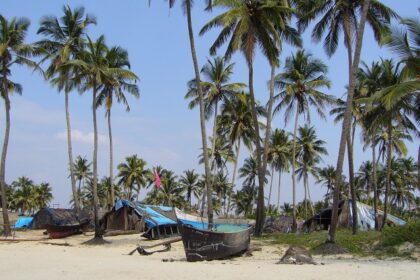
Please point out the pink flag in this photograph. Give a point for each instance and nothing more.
(157, 180)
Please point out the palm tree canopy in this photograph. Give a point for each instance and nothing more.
(248, 23)
(279, 152)
(341, 15)
(215, 85)
(300, 82)
(117, 58)
(66, 37)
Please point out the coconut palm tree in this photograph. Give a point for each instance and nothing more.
(65, 38)
(300, 85)
(326, 177)
(81, 172)
(279, 158)
(403, 182)
(13, 51)
(187, 5)
(216, 88)
(406, 44)
(189, 180)
(170, 193)
(309, 152)
(363, 179)
(42, 195)
(349, 17)
(118, 59)
(248, 24)
(23, 195)
(236, 123)
(132, 174)
(390, 119)
(93, 71)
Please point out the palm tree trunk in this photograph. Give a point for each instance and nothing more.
(235, 167)
(309, 197)
(388, 174)
(347, 121)
(351, 181)
(111, 159)
(268, 126)
(305, 178)
(278, 193)
(202, 119)
(6, 221)
(271, 186)
(418, 168)
(375, 190)
(70, 154)
(98, 233)
(259, 223)
(294, 225)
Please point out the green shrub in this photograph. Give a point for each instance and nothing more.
(392, 236)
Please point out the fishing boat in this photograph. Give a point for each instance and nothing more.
(226, 240)
(61, 231)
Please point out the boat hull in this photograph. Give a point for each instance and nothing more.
(55, 231)
(203, 245)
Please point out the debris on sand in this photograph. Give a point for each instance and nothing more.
(297, 255)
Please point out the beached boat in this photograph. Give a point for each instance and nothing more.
(226, 240)
(60, 231)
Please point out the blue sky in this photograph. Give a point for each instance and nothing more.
(159, 128)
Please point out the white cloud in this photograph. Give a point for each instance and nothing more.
(80, 136)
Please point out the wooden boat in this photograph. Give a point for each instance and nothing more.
(201, 245)
(61, 231)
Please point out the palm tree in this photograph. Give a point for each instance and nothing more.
(406, 44)
(357, 119)
(326, 177)
(93, 72)
(132, 173)
(118, 59)
(309, 152)
(403, 182)
(236, 122)
(390, 119)
(170, 193)
(279, 157)
(248, 24)
(42, 195)
(189, 180)
(81, 172)
(300, 83)
(13, 51)
(187, 4)
(363, 179)
(23, 195)
(65, 38)
(351, 17)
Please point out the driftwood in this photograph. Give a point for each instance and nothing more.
(120, 232)
(166, 243)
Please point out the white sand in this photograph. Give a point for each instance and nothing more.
(38, 260)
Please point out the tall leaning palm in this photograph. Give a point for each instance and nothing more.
(64, 40)
(300, 85)
(349, 17)
(116, 86)
(248, 24)
(187, 4)
(13, 51)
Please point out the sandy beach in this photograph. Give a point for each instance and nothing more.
(69, 259)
